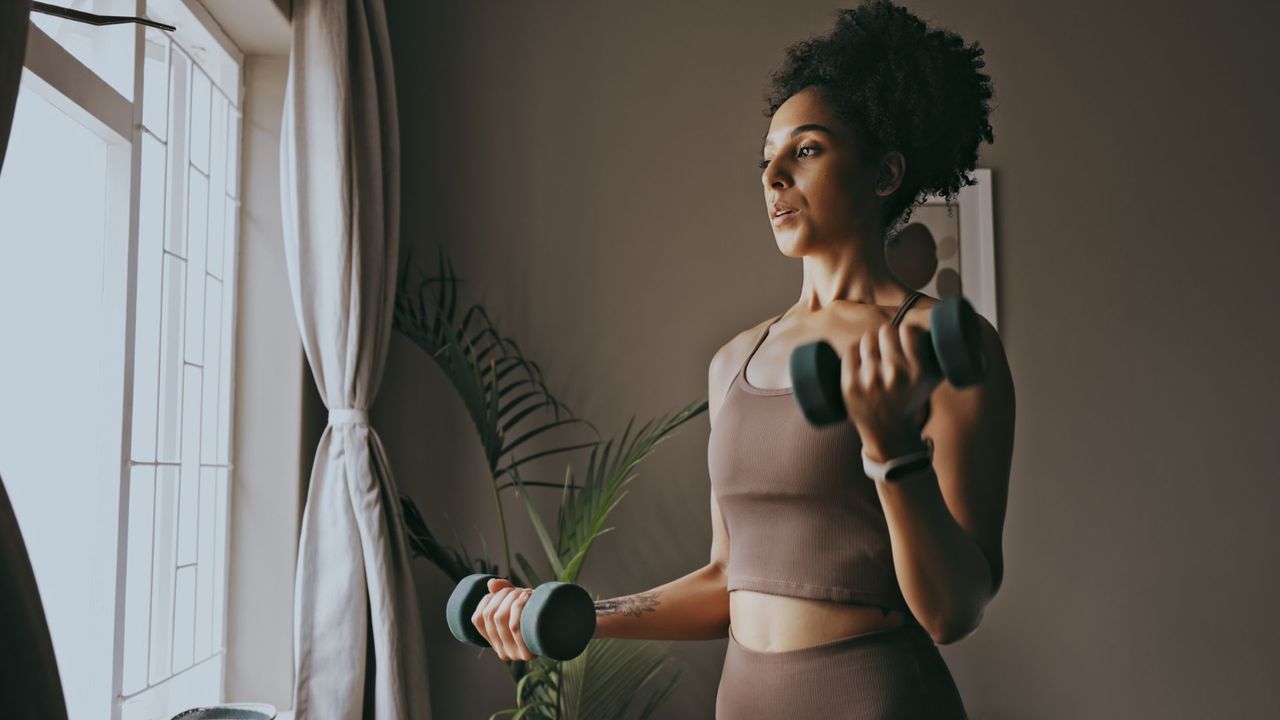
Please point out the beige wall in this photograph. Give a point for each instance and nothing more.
(271, 378)
(590, 167)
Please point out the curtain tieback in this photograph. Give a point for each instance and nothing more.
(353, 416)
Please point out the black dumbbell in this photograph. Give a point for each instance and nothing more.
(557, 622)
(955, 353)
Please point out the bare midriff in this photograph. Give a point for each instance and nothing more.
(777, 623)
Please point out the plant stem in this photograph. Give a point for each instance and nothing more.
(502, 520)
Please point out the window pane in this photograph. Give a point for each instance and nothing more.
(197, 229)
(204, 566)
(184, 619)
(228, 323)
(217, 184)
(221, 499)
(168, 421)
(180, 77)
(212, 361)
(146, 353)
(55, 409)
(189, 495)
(162, 569)
(137, 603)
(107, 50)
(155, 78)
(200, 119)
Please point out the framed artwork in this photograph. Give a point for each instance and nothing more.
(943, 254)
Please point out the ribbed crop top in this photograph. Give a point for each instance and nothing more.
(802, 517)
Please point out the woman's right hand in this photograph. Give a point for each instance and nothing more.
(497, 617)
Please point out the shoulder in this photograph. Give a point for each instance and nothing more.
(919, 314)
(726, 362)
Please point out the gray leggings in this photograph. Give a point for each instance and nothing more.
(895, 674)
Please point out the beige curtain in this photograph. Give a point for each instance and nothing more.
(30, 688)
(358, 645)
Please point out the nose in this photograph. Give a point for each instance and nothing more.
(774, 175)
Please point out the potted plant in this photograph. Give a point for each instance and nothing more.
(501, 389)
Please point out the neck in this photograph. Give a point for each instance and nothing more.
(850, 272)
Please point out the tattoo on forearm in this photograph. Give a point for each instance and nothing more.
(632, 605)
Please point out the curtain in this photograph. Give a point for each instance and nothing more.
(13, 47)
(358, 645)
(29, 681)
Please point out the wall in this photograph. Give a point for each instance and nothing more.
(590, 168)
(268, 455)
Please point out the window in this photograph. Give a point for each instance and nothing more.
(119, 199)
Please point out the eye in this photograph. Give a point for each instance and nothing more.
(765, 163)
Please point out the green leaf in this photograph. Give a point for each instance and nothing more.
(508, 468)
(547, 545)
(531, 575)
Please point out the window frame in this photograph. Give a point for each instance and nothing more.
(67, 83)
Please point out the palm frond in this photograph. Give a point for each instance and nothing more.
(584, 511)
(602, 682)
(483, 366)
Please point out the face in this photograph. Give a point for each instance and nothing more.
(814, 162)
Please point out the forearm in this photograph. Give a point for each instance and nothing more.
(943, 573)
(693, 607)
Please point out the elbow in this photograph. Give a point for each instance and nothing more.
(953, 630)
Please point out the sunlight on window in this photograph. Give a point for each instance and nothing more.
(106, 49)
(66, 197)
(60, 467)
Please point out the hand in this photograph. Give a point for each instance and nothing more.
(884, 384)
(497, 617)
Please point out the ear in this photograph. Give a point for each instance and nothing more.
(889, 173)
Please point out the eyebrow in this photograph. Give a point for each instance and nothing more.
(796, 131)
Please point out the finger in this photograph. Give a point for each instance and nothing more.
(517, 609)
(892, 363)
(477, 618)
(869, 350)
(850, 369)
(491, 624)
(502, 621)
(913, 339)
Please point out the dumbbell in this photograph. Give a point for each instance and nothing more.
(557, 622)
(954, 352)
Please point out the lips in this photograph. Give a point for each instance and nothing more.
(782, 213)
(781, 208)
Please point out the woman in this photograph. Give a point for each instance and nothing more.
(834, 588)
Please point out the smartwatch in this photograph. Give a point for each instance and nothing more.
(895, 469)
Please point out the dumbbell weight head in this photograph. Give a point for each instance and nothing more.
(954, 352)
(957, 342)
(558, 621)
(462, 605)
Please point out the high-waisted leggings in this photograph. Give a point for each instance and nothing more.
(894, 674)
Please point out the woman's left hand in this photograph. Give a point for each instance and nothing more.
(884, 384)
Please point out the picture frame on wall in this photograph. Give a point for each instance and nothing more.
(943, 254)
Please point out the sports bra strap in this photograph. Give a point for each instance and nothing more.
(902, 311)
(906, 305)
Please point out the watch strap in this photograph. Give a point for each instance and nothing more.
(895, 469)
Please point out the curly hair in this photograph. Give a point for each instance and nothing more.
(902, 86)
